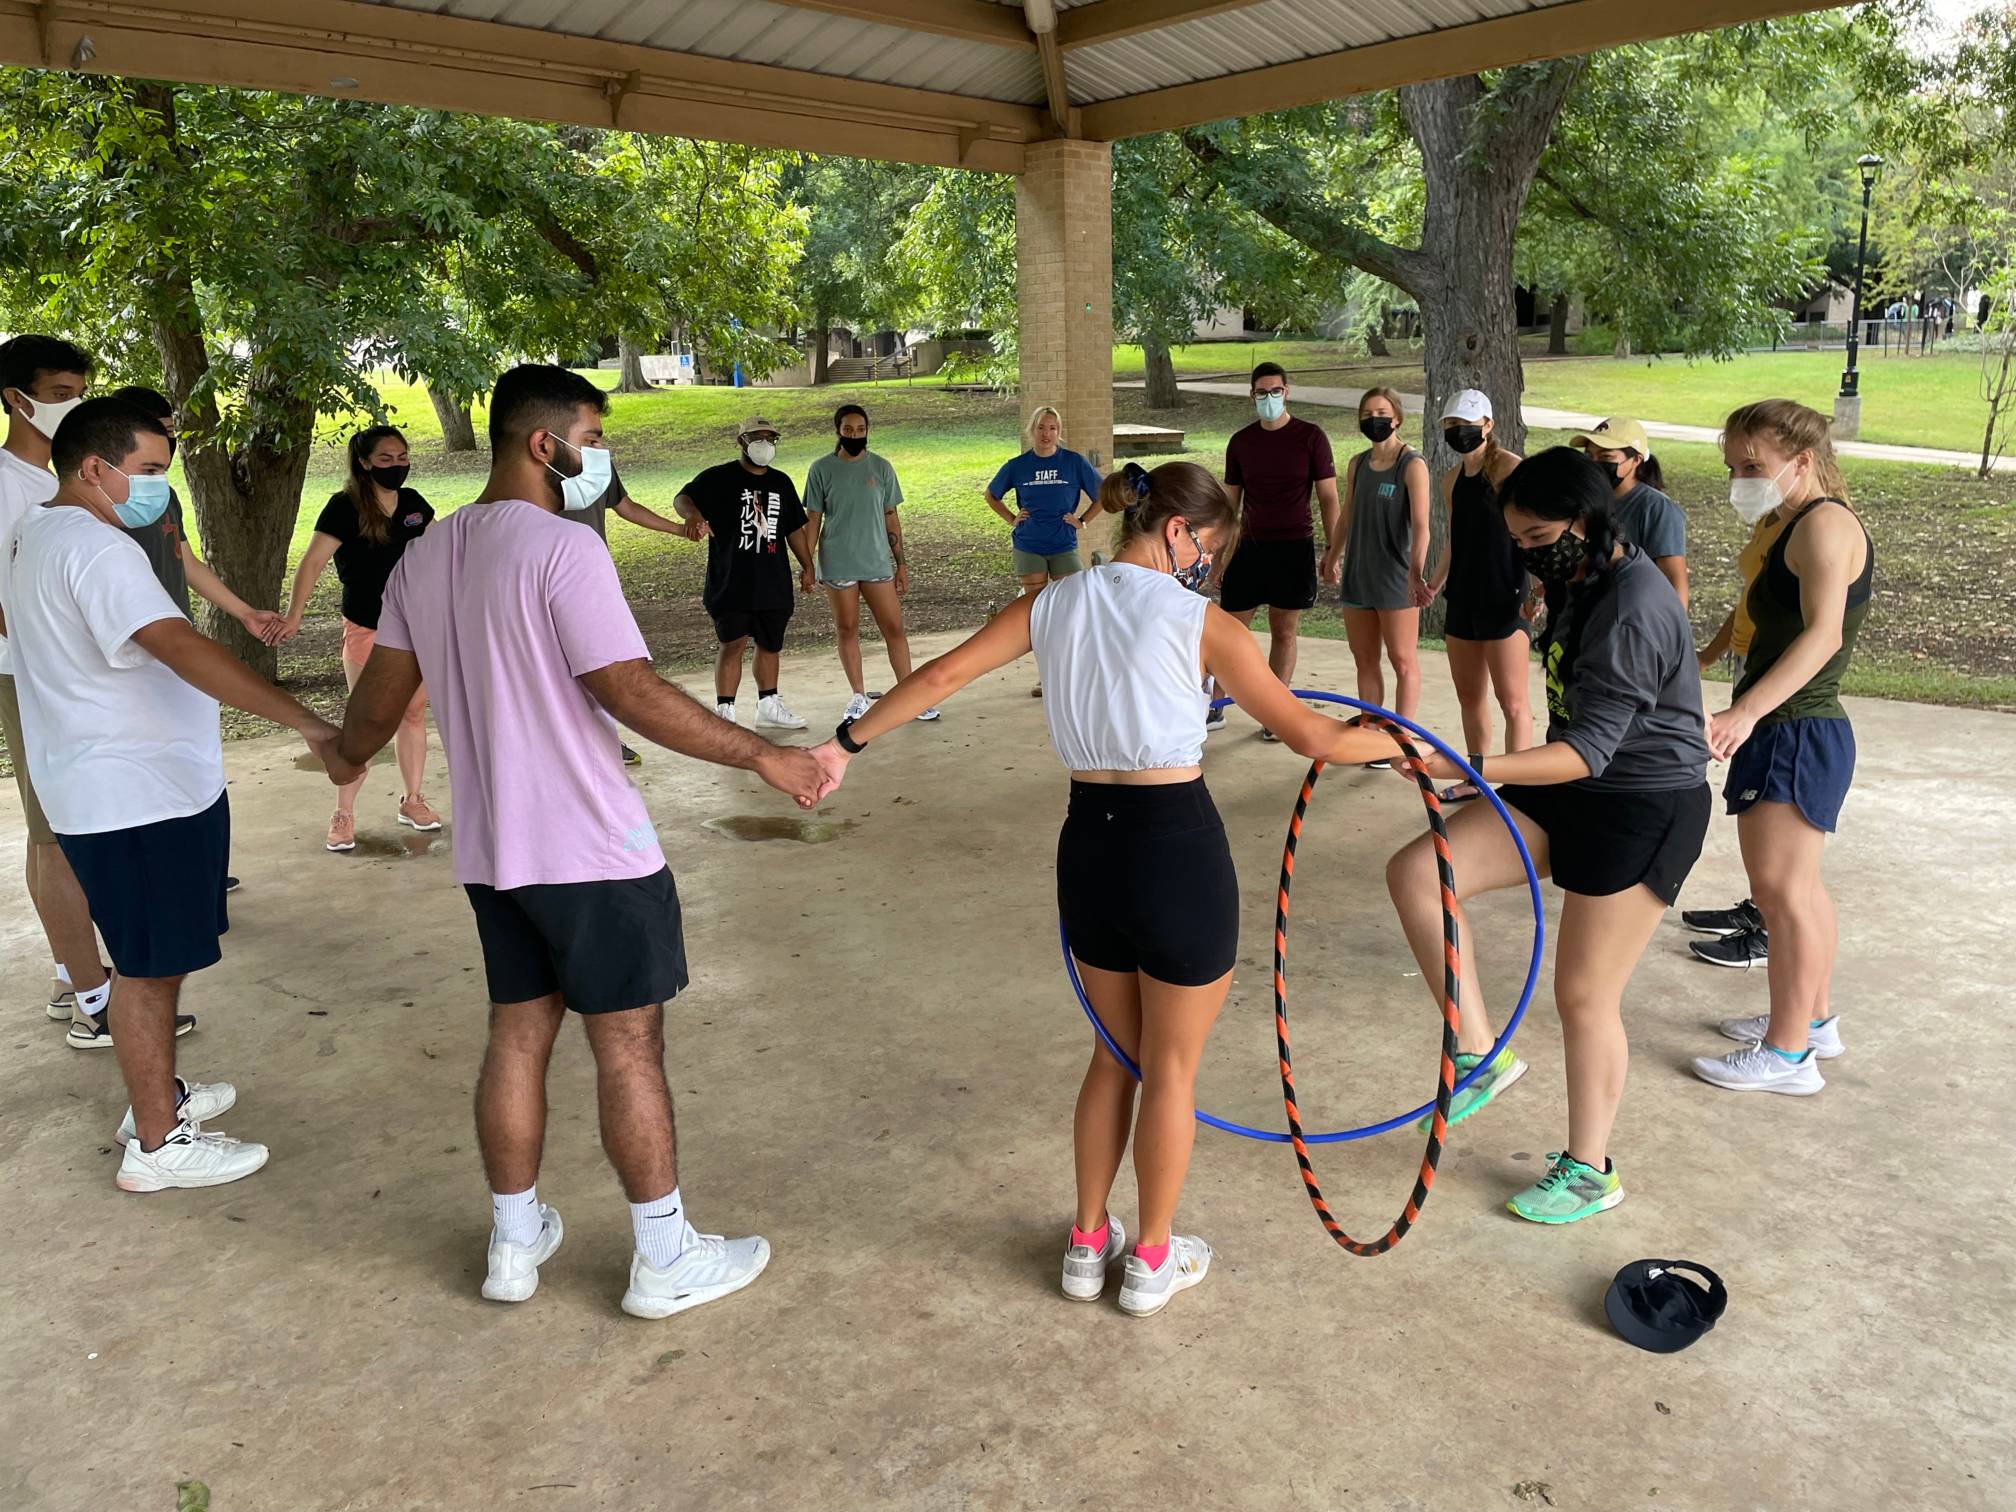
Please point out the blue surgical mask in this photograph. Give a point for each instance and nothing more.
(585, 487)
(1270, 406)
(146, 499)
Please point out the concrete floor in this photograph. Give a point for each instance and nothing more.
(875, 1068)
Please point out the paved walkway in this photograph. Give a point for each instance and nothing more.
(1560, 419)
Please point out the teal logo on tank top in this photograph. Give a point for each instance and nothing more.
(642, 838)
(1387, 490)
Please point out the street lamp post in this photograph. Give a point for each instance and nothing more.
(1848, 403)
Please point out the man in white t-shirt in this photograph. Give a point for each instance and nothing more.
(119, 699)
(41, 380)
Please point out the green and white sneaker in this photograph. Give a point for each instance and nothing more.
(1506, 1069)
(1569, 1192)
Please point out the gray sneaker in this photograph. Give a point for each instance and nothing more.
(1085, 1268)
(1145, 1292)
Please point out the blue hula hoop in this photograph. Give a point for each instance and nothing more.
(1366, 1131)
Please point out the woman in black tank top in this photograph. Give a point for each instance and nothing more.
(1483, 587)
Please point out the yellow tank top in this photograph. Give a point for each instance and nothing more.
(1749, 562)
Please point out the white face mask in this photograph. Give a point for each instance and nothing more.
(46, 416)
(761, 453)
(1754, 498)
(585, 487)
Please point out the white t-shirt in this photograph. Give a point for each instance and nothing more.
(115, 739)
(23, 486)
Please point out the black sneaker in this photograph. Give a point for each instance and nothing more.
(1723, 921)
(87, 1033)
(631, 758)
(1745, 948)
(1214, 721)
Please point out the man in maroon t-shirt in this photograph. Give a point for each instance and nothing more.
(1271, 468)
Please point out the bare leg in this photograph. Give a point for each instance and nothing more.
(1283, 628)
(767, 663)
(346, 795)
(635, 1103)
(65, 915)
(1361, 629)
(410, 743)
(1485, 860)
(511, 1090)
(887, 607)
(1175, 1022)
(1105, 1112)
(1400, 630)
(846, 604)
(728, 668)
(1601, 942)
(1469, 670)
(1511, 660)
(1781, 852)
(143, 1037)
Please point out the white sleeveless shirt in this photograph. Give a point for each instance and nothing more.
(1119, 649)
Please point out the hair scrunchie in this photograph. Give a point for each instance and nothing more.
(1137, 475)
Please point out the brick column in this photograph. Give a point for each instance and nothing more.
(1064, 287)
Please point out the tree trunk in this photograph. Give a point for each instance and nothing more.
(1557, 327)
(1375, 337)
(1622, 346)
(458, 431)
(630, 377)
(822, 347)
(1162, 391)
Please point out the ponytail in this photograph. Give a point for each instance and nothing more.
(371, 521)
(1650, 474)
(1146, 501)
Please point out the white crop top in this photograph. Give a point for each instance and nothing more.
(1119, 650)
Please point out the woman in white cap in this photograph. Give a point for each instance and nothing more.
(1483, 586)
(1644, 515)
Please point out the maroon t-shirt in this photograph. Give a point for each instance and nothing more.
(1278, 469)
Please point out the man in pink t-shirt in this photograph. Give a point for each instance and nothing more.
(516, 622)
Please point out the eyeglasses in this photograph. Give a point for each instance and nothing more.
(1269, 393)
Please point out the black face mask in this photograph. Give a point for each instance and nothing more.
(1613, 473)
(853, 445)
(1377, 427)
(1463, 439)
(390, 477)
(1558, 560)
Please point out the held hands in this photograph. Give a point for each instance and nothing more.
(832, 763)
(322, 737)
(697, 530)
(262, 625)
(1331, 569)
(283, 629)
(805, 580)
(1419, 592)
(792, 771)
(1728, 730)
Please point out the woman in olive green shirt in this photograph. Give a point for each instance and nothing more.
(851, 497)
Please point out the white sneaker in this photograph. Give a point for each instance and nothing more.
(772, 711)
(1145, 1292)
(858, 705)
(727, 712)
(192, 1156)
(514, 1268)
(1085, 1268)
(709, 1268)
(195, 1102)
(1759, 1068)
(927, 716)
(1824, 1039)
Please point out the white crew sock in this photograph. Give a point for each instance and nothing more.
(93, 1002)
(514, 1216)
(63, 975)
(661, 1228)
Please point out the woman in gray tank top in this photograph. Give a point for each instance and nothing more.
(1385, 541)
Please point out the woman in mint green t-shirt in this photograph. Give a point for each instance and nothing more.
(857, 540)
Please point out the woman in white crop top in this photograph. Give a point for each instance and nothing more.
(1144, 876)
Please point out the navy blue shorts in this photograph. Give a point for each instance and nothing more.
(157, 891)
(1805, 762)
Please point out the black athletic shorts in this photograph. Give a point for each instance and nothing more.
(764, 626)
(156, 891)
(603, 946)
(1269, 575)
(1603, 842)
(1488, 622)
(1145, 882)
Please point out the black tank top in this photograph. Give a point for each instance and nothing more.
(1485, 574)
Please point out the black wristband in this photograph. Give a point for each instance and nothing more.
(1477, 762)
(842, 734)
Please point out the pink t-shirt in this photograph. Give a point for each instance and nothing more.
(507, 605)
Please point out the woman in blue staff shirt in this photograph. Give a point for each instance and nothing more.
(1049, 482)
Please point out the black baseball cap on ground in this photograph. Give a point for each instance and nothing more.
(1652, 1306)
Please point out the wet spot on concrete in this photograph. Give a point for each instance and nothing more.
(777, 827)
(407, 845)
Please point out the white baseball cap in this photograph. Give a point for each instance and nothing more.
(1471, 404)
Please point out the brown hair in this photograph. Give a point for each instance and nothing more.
(1792, 428)
(1392, 397)
(371, 521)
(1147, 501)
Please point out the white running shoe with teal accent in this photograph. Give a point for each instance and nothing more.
(1569, 1192)
(1759, 1068)
(1145, 1292)
(858, 705)
(1824, 1038)
(1085, 1269)
(1506, 1068)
